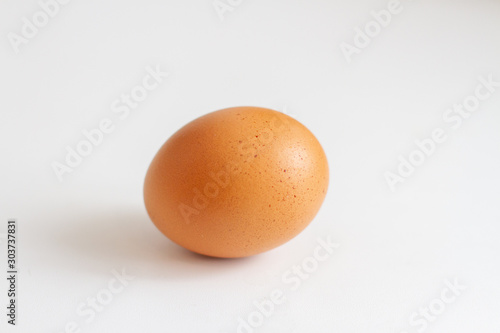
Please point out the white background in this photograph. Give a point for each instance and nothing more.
(396, 248)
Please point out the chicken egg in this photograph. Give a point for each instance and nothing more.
(236, 182)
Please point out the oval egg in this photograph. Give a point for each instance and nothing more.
(236, 182)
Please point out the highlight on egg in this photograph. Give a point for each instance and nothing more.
(236, 182)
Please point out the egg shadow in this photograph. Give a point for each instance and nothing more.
(127, 239)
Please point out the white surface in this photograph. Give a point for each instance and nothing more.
(396, 249)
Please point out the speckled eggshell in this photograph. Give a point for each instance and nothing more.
(236, 182)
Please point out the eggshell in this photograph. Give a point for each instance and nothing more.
(236, 182)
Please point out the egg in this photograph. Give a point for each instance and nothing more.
(236, 182)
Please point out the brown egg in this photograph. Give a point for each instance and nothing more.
(236, 182)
